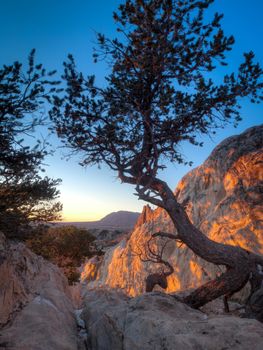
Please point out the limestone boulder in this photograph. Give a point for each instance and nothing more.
(156, 321)
(36, 310)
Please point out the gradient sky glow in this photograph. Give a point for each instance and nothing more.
(58, 27)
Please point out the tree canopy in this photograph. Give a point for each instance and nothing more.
(160, 91)
(25, 196)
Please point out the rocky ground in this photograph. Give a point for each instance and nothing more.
(158, 321)
(39, 311)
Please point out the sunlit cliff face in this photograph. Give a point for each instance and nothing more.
(223, 199)
(228, 206)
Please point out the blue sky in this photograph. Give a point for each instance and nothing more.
(58, 27)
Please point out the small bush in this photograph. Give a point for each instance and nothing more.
(65, 246)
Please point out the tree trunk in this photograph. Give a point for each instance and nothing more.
(240, 263)
(235, 259)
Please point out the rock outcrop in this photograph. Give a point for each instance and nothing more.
(36, 311)
(156, 321)
(223, 198)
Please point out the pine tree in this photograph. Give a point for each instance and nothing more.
(159, 93)
(25, 196)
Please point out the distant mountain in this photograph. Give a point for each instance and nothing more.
(121, 220)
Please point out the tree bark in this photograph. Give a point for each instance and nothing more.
(240, 263)
(234, 258)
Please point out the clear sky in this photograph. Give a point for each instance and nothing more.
(58, 27)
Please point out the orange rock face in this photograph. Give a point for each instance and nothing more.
(223, 198)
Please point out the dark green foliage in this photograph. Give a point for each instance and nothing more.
(66, 246)
(25, 196)
(26, 202)
(160, 91)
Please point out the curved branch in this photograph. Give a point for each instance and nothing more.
(165, 235)
(226, 284)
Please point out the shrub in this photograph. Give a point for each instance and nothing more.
(65, 246)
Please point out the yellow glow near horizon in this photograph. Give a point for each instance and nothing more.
(82, 210)
(81, 207)
(86, 207)
(79, 217)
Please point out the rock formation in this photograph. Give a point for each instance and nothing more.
(159, 321)
(36, 311)
(223, 197)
